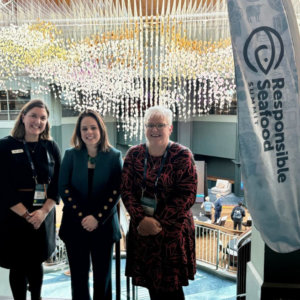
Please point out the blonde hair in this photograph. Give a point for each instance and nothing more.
(76, 140)
(18, 132)
(206, 198)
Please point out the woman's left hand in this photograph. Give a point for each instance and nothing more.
(89, 223)
(37, 218)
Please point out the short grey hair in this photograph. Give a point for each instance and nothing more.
(206, 198)
(159, 111)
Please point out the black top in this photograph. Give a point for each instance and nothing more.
(90, 187)
(16, 174)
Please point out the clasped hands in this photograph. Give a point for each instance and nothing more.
(89, 223)
(37, 217)
(149, 226)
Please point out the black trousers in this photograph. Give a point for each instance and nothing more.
(235, 224)
(20, 276)
(217, 215)
(176, 295)
(208, 215)
(80, 256)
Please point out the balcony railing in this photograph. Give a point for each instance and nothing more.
(217, 246)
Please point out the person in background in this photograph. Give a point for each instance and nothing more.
(89, 185)
(218, 207)
(237, 215)
(30, 162)
(159, 185)
(207, 205)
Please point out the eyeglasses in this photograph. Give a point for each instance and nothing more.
(159, 126)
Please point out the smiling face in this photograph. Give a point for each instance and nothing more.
(90, 132)
(158, 137)
(35, 122)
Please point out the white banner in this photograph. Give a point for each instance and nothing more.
(268, 115)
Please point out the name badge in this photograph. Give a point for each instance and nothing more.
(17, 151)
(40, 194)
(149, 205)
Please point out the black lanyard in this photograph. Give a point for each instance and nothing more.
(32, 165)
(159, 171)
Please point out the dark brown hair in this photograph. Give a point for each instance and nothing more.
(76, 140)
(18, 132)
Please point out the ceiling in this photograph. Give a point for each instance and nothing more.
(151, 7)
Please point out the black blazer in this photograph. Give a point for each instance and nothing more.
(73, 189)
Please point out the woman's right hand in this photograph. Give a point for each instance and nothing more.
(149, 226)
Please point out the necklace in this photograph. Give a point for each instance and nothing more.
(153, 164)
(92, 160)
(32, 150)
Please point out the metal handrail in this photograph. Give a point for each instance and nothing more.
(217, 246)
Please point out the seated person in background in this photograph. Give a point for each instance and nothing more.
(237, 215)
(218, 207)
(207, 207)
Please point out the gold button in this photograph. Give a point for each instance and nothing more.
(80, 214)
(110, 199)
(105, 207)
(70, 199)
(100, 215)
(74, 206)
(67, 191)
(114, 192)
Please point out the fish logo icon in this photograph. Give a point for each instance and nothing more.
(264, 53)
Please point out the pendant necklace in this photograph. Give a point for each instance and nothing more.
(92, 160)
(153, 164)
(32, 150)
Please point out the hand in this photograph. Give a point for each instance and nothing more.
(37, 218)
(89, 223)
(149, 226)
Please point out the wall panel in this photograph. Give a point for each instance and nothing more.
(215, 139)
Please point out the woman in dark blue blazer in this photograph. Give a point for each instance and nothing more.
(89, 185)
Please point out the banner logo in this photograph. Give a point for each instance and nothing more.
(268, 61)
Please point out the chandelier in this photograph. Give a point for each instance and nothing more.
(118, 58)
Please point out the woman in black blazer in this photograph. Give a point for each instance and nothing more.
(89, 185)
(27, 224)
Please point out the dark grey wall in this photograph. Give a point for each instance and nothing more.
(216, 139)
(217, 166)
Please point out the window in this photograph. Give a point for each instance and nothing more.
(11, 102)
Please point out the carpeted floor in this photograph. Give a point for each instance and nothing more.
(230, 199)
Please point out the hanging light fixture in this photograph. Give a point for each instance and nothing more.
(112, 57)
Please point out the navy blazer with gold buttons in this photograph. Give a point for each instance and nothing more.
(73, 189)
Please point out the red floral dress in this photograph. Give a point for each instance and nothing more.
(166, 260)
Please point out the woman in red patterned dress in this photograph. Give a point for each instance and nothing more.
(159, 184)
